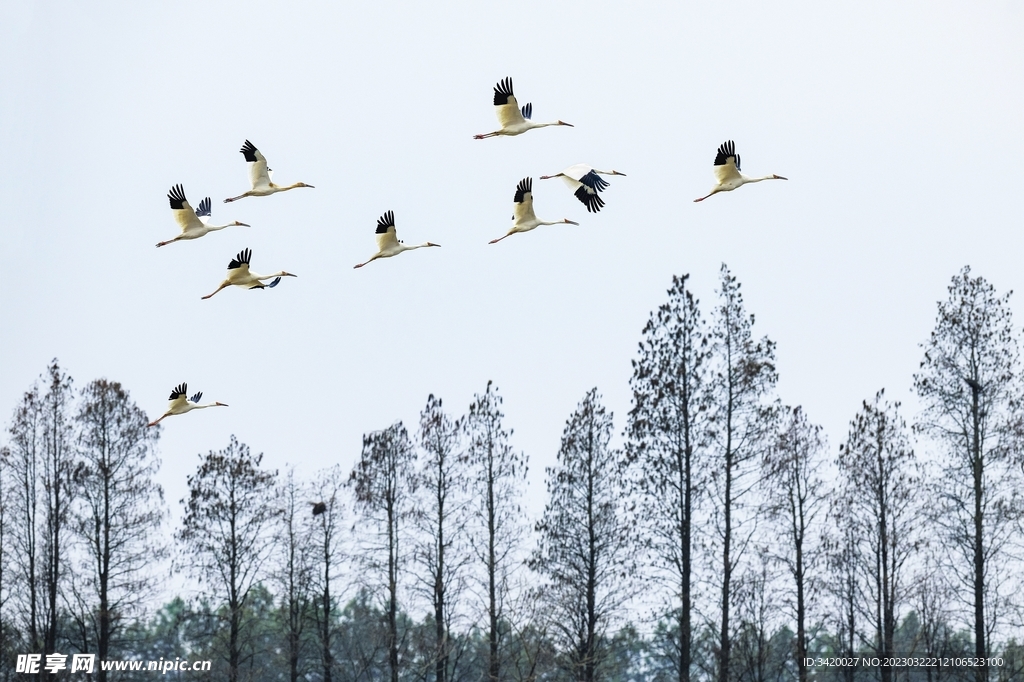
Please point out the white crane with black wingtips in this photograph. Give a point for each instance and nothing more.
(387, 240)
(259, 175)
(194, 223)
(513, 120)
(179, 404)
(240, 275)
(586, 184)
(523, 217)
(727, 171)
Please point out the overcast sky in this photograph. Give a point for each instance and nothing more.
(897, 124)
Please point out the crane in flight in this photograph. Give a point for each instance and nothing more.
(240, 275)
(179, 404)
(523, 217)
(388, 244)
(194, 223)
(513, 120)
(727, 171)
(586, 184)
(259, 175)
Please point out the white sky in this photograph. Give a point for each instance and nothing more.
(897, 124)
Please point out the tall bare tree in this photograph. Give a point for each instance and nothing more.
(666, 430)
(741, 419)
(226, 535)
(25, 455)
(328, 535)
(293, 568)
(498, 480)
(441, 522)
(384, 480)
(881, 484)
(119, 512)
(970, 384)
(796, 500)
(586, 550)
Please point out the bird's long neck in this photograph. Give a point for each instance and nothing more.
(415, 246)
(280, 273)
(747, 179)
(214, 228)
(288, 187)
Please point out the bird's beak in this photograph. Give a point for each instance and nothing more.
(430, 244)
(563, 123)
(571, 222)
(242, 224)
(288, 274)
(221, 404)
(546, 177)
(309, 186)
(779, 177)
(615, 172)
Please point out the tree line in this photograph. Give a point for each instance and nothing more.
(724, 540)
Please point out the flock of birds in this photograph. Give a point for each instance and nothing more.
(585, 182)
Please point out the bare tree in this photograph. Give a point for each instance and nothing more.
(741, 418)
(25, 456)
(293, 570)
(970, 384)
(119, 513)
(327, 536)
(225, 535)
(881, 484)
(795, 500)
(498, 480)
(666, 430)
(841, 547)
(586, 549)
(441, 521)
(384, 481)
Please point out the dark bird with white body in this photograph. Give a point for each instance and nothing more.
(727, 171)
(179, 404)
(240, 275)
(388, 244)
(259, 175)
(523, 217)
(586, 184)
(194, 223)
(513, 120)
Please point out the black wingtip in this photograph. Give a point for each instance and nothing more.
(249, 151)
(725, 150)
(593, 202)
(244, 256)
(525, 185)
(178, 391)
(177, 197)
(385, 221)
(502, 91)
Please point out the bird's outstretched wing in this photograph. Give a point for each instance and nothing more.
(204, 212)
(197, 397)
(528, 110)
(505, 104)
(591, 199)
(178, 396)
(594, 182)
(524, 201)
(727, 162)
(241, 262)
(258, 174)
(183, 213)
(387, 238)
(277, 280)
